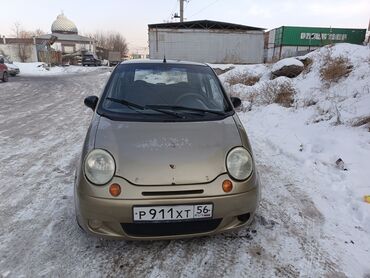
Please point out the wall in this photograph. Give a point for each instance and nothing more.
(315, 36)
(319, 36)
(10, 47)
(208, 46)
(288, 41)
(71, 47)
(12, 51)
(273, 54)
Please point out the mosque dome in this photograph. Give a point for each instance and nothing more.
(63, 25)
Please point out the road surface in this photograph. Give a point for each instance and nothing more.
(43, 123)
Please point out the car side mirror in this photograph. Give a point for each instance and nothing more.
(236, 102)
(91, 102)
(1, 60)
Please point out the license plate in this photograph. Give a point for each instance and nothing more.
(173, 213)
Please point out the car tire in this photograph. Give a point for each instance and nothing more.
(79, 225)
(5, 77)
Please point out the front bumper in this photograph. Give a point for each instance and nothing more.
(13, 71)
(88, 63)
(230, 211)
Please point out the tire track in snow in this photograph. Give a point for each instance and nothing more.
(303, 220)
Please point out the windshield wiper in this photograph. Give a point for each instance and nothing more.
(176, 107)
(140, 107)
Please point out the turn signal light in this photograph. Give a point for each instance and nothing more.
(115, 189)
(227, 186)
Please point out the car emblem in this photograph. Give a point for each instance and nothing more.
(172, 166)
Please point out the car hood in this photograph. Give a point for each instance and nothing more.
(165, 153)
(11, 66)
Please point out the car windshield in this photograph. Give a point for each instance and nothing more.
(193, 91)
(6, 60)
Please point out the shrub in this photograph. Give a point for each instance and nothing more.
(276, 92)
(243, 78)
(307, 62)
(309, 102)
(279, 90)
(285, 96)
(334, 68)
(362, 121)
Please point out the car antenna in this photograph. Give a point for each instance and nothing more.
(164, 59)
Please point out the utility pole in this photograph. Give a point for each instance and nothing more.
(176, 15)
(182, 10)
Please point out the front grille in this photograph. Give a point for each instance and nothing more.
(170, 193)
(171, 228)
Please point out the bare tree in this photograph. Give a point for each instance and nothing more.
(38, 32)
(24, 48)
(112, 41)
(16, 29)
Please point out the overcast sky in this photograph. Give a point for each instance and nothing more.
(130, 17)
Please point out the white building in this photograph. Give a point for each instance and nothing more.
(206, 41)
(68, 43)
(68, 40)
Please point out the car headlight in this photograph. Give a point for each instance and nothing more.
(99, 166)
(239, 163)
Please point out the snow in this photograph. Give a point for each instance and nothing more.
(347, 100)
(312, 221)
(41, 69)
(222, 66)
(286, 62)
(306, 141)
(308, 153)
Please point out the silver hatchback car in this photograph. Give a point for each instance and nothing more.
(165, 156)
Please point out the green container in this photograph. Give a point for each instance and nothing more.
(317, 36)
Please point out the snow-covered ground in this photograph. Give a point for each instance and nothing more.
(40, 69)
(304, 142)
(312, 222)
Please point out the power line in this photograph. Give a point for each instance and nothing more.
(202, 9)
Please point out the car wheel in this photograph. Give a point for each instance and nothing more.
(79, 225)
(5, 77)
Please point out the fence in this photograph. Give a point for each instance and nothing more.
(52, 57)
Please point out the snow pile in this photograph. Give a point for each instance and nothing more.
(262, 70)
(344, 102)
(39, 68)
(286, 63)
(305, 141)
(222, 66)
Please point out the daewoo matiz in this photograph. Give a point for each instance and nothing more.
(165, 156)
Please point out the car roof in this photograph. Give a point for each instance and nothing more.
(157, 61)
